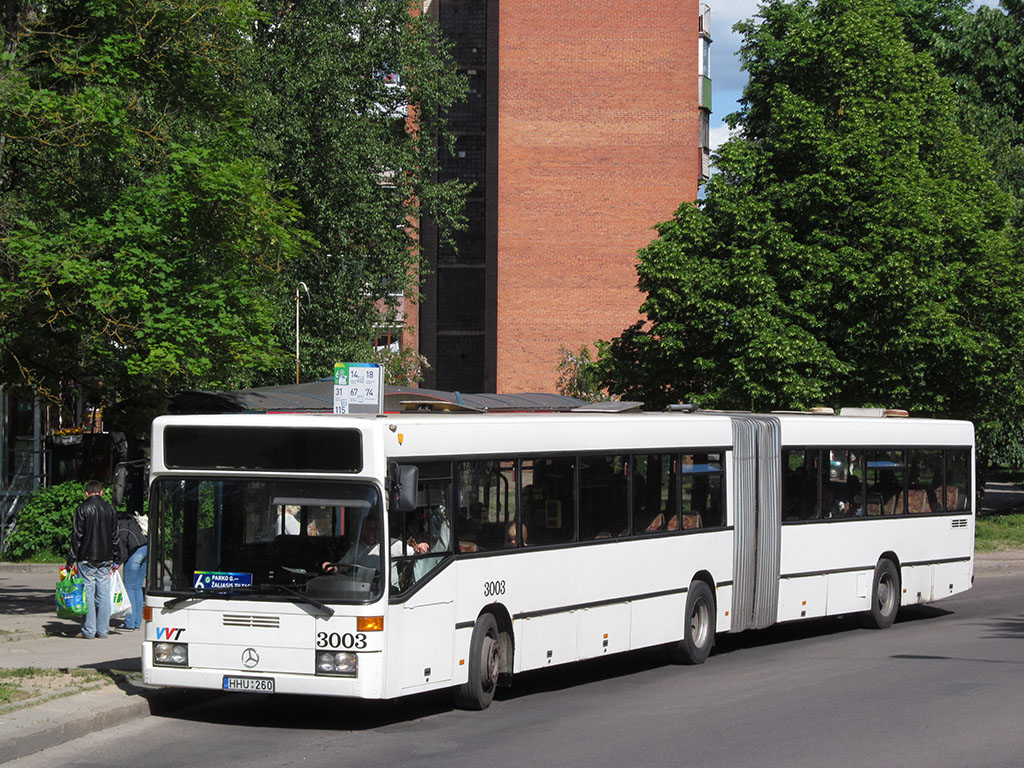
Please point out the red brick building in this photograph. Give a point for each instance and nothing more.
(586, 124)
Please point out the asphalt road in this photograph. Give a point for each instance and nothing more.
(943, 687)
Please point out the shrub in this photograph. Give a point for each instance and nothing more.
(44, 523)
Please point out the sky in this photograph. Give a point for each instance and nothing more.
(727, 80)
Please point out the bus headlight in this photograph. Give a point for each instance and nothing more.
(337, 663)
(170, 654)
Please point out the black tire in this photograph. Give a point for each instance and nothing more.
(885, 596)
(699, 629)
(484, 666)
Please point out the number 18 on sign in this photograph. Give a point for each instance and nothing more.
(358, 388)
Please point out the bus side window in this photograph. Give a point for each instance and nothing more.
(548, 508)
(603, 497)
(800, 484)
(957, 490)
(654, 491)
(486, 495)
(702, 490)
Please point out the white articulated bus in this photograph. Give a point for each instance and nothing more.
(374, 557)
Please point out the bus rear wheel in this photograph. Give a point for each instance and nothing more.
(484, 666)
(885, 596)
(699, 628)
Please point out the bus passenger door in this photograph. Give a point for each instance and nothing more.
(422, 634)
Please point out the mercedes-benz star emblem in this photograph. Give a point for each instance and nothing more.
(250, 658)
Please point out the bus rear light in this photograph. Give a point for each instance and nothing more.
(147, 613)
(370, 624)
(340, 663)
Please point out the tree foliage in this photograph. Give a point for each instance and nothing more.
(331, 87)
(984, 57)
(853, 249)
(578, 375)
(170, 169)
(43, 525)
(139, 232)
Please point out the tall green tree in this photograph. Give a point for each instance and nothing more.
(853, 249)
(984, 58)
(349, 99)
(140, 234)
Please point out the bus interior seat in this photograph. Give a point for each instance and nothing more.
(917, 501)
(656, 524)
(691, 521)
(875, 504)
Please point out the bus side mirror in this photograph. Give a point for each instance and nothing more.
(405, 480)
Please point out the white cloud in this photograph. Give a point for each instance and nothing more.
(719, 135)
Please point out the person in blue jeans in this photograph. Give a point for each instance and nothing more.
(132, 547)
(93, 541)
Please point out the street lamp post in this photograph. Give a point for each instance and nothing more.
(301, 285)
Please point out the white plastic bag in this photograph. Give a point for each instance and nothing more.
(120, 605)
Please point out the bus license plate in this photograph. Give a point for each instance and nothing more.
(253, 684)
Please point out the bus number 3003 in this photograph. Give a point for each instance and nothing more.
(492, 588)
(339, 640)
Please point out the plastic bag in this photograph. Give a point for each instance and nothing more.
(120, 605)
(71, 595)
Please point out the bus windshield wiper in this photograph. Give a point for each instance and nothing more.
(298, 596)
(206, 594)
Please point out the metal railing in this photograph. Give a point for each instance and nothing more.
(12, 498)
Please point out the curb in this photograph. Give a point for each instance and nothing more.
(6, 567)
(61, 720)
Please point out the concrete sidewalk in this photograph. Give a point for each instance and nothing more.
(31, 635)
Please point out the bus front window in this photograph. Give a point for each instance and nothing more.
(317, 538)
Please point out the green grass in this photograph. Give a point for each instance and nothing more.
(18, 685)
(995, 532)
(44, 557)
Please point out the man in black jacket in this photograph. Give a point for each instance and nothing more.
(93, 538)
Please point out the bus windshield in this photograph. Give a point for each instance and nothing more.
(273, 536)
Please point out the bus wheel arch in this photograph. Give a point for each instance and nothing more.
(490, 660)
(698, 623)
(506, 641)
(886, 589)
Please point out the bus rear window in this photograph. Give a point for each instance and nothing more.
(297, 449)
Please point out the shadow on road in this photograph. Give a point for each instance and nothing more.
(1007, 628)
(319, 713)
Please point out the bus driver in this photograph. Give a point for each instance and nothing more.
(366, 551)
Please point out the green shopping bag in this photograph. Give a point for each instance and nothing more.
(71, 596)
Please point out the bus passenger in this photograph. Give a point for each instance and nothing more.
(511, 539)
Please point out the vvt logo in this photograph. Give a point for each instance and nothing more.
(169, 633)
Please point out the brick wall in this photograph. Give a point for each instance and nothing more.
(597, 136)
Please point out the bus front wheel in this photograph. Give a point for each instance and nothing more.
(484, 666)
(699, 627)
(885, 596)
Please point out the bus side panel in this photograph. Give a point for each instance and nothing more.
(848, 592)
(950, 578)
(916, 582)
(659, 620)
(547, 640)
(603, 630)
(800, 598)
(847, 551)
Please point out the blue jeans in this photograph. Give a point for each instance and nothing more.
(97, 594)
(134, 573)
